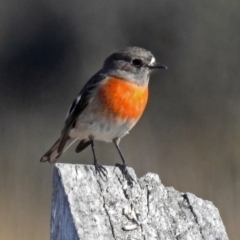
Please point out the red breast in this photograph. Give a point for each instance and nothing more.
(123, 99)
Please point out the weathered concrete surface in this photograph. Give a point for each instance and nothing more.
(86, 207)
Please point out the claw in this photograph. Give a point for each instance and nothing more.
(125, 173)
(102, 171)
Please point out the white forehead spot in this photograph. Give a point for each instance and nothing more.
(153, 60)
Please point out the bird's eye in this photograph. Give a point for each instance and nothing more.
(137, 62)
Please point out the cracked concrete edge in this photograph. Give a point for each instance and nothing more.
(206, 217)
(106, 209)
(61, 218)
(191, 208)
(96, 209)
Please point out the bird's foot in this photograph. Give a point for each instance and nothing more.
(125, 173)
(102, 171)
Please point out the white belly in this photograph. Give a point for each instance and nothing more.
(100, 129)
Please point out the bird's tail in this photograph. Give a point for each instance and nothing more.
(53, 154)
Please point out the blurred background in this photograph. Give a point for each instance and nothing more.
(189, 133)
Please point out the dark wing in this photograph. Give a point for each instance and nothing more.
(78, 105)
(82, 145)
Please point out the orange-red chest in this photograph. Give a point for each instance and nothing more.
(123, 99)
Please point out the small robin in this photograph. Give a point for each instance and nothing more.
(108, 106)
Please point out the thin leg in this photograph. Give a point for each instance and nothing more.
(99, 168)
(123, 167)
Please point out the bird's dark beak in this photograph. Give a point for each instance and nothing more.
(157, 65)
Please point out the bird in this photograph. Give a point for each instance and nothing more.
(108, 106)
